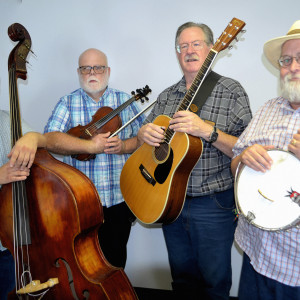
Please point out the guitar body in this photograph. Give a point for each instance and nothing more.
(153, 186)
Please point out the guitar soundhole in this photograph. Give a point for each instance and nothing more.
(162, 170)
(162, 152)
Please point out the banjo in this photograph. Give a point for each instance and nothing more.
(270, 200)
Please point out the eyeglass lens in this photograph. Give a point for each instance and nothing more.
(286, 60)
(196, 45)
(87, 69)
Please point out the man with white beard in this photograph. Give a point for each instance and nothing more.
(104, 170)
(271, 263)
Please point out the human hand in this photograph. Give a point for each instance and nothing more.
(23, 153)
(294, 145)
(151, 134)
(189, 122)
(98, 142)
(11, 174)
(114, 145)
(257, 157)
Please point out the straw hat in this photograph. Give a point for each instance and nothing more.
(272, 48)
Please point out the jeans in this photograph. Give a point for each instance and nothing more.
(199, 246)
(254, 286)
(7, 273)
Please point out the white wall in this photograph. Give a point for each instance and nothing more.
(138, 37)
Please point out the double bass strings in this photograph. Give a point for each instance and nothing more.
(21, 230)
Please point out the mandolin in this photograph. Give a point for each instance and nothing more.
(154, 179)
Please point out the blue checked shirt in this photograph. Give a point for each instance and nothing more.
(104, 171)
(5, 141)
(228, 106)
(273, 254)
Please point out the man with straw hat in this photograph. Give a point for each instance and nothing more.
(271, 263)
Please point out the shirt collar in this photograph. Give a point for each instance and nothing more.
(286, 104)
(86, 97)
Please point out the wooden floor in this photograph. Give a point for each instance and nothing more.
(154, 294)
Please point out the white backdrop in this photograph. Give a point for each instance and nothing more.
(138, 37)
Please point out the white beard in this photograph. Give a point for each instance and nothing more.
(94, 89)
(290, 90)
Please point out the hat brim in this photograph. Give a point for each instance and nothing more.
(272, 48)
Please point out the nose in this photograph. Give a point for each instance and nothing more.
(295, 66)
(190, 48)
(92, 72)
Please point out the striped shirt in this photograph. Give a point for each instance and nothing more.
(273, 254)
(228, 106)
(5, 141)
(104, 171)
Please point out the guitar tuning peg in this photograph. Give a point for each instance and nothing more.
(230, 47)
(243, 31)
(236, 39)
(133, 93)
(142, 100)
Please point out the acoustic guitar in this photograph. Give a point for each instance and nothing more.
(154, 179)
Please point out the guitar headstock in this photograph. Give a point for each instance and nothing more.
(229, 34)
(142, 93)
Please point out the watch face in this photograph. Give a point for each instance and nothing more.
(213, 137)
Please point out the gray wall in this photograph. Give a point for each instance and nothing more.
(138, 37)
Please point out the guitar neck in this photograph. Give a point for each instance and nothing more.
(197, 82)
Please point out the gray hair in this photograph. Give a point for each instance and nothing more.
(209, 36)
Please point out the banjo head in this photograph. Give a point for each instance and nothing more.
(265, 198)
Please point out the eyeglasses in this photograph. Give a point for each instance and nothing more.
(87, 69)
(196, 45)
(285, 61)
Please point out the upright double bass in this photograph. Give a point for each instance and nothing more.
(47, 222)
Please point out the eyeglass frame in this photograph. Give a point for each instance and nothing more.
(177, 47)
(103, 68)
(297, 58)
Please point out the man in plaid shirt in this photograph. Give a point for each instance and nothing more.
(104, 171)
(271, 263)
(199, 242)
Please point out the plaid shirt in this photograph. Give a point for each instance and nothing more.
(5, 141)
(104, 171)
(227, 106)
(273, 254)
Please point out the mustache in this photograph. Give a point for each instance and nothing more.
(191, 57)
(93, 78)
(291, 77)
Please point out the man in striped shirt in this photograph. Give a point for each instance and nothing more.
(271, 264)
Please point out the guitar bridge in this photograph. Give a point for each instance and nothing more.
(147, 175)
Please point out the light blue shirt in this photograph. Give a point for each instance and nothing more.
(105, 170)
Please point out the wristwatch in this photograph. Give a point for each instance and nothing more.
(213, 136)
